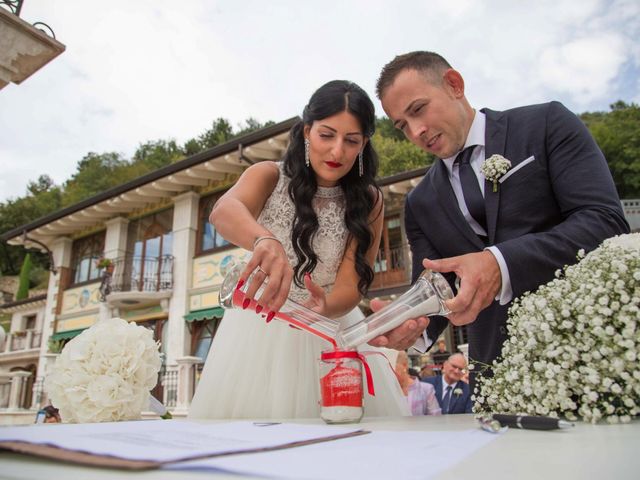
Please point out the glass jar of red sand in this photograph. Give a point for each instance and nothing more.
(341, 388)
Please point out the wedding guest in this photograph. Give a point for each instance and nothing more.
(427, 371)
(313, 223)
(420, 396)
(500, 234)
(51, 414)
(440, 355)
(452, 393)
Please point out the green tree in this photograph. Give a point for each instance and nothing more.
(192, 146)
(251, 125)
(157, 154)
(24, 282)
(220, 132)
(385, 128)
(95, 173)
(618, 134)
(398, 156)
(43, 197)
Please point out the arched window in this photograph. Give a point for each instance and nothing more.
(86, 251)
(209, 238)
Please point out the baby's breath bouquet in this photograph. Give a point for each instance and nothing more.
(105, 373)
(574, 344)
(494, 167)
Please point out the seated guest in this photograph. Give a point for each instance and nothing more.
(452, 393)
(421, 396)
(427, 371)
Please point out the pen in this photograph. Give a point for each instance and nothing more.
(531, 423)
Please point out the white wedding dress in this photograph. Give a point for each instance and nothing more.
(259, 370)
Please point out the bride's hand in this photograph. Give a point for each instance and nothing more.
(318, 300)
(270, 267)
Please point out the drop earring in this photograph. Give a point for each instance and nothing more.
(307, 160)
(360, 163)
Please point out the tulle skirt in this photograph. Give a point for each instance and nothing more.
(259, 370)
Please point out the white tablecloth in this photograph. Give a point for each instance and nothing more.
(586, 451)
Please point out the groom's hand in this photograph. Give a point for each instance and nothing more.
(401, 337)
(480, 282)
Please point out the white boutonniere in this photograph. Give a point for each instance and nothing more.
(457, 392)
(495, 167)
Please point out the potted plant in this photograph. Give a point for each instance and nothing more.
(55, 346)
(106, 264)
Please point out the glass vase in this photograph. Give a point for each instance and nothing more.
(297, 315)
(426, 297)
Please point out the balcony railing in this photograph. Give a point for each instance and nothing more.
(23, 340)
(392, 267)
(142, 274)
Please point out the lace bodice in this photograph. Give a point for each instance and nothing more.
(330, 239)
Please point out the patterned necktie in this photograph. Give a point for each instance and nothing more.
(445, 400)
(470, 188)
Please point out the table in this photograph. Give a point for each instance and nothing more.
(586, 451)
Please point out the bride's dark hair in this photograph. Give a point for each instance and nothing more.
(330, 99)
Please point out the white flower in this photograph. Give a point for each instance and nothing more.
(574, 343)
(105, 373)
(457, 392)
(495, 167)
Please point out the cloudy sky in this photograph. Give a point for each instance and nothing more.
(135, 71)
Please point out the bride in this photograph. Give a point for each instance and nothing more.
(313, 222)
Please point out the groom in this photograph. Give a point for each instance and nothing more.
(556, 198)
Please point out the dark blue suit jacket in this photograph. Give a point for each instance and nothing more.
(542, 214)
(458, 403)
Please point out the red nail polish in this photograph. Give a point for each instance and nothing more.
(245, 303)
(240, 284)
(259, 308)
(270, 316)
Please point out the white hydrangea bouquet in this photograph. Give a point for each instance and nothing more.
(574, 344)
(105, 373)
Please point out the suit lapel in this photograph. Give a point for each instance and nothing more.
(438, 386)
(449, 203)
(495, 142)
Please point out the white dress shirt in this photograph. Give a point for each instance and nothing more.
(475, 137)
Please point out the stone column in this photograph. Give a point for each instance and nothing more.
(28, 340)
(18, 380)
(186, 382)
(8, 342)
(115, 246)
(115, 240)
(185, 226)
(61, 249)
(45, 366)
(5, 393)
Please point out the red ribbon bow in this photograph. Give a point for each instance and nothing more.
(337, 354)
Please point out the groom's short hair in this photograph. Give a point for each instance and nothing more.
(429, 63)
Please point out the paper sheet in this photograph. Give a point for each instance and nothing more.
(167, 440)
(380, 455)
